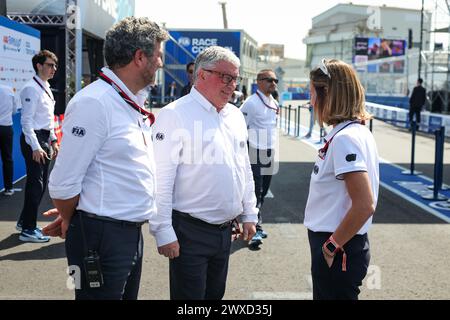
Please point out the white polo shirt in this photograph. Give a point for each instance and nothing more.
(261, 120)
(38, 107)
(352, 149)
(7, 105)
(202, 165)
(106, 155)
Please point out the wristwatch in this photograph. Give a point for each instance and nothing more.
(330, 247)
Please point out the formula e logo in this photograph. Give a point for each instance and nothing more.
(184, 41)
(78, 131)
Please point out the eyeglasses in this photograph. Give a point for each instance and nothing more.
(226, 78)
(324, 68)
(51, 65)
(269, 80)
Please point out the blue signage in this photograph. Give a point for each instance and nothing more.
(19, 43)
(186, 45)
(197, 41)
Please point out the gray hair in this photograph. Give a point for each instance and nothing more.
(129, 35)
(209, 57)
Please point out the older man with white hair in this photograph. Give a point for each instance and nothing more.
(204, 179)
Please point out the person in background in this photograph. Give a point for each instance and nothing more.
(344, 184)
(244, 92)
(417, 101)
(8, 107)
(260, 111)
(38, 142)
(172, 91)
(190, 74)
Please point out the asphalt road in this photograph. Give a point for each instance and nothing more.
(409, 246)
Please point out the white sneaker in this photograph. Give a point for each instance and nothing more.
(33, 236)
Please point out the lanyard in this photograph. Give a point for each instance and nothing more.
(323, 151)
(42, 87)
(127, 99)
(277, 109)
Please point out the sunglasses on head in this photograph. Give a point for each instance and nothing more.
(269, 80)
(324, 69)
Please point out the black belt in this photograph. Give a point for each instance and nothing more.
(187, 216)
(108, 219)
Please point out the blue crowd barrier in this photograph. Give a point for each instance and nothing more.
(399, 102)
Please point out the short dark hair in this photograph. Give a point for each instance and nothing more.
(189, 64)
(420, 80)
(40, 58)
(262, 73)
(127, 36)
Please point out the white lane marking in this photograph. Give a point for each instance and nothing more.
(417, 203)
(397, 192)
(281, 295)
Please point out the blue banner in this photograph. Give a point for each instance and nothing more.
(197, 41)
(193, 42)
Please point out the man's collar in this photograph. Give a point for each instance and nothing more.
(42, 82)
(263, 95)
(110, 74)
(208, 106)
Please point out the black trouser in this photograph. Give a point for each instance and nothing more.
(414, 111)
(37, 178)
(200, 271)
(333, 283)
(6, 147)
(119, 246)
(261, 161)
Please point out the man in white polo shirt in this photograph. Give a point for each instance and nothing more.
(204, 179)
(260, 111)
(8, 107)
(103, 183)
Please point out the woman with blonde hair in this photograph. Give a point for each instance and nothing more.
(344, 184)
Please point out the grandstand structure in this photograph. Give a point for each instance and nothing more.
(436, 59)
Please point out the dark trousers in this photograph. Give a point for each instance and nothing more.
(119, 247)
(414, 111)
(37, 179)
(333, 283)
(261, 162)
(200, 271)
(6, 147)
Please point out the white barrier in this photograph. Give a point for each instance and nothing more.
(428, 121)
